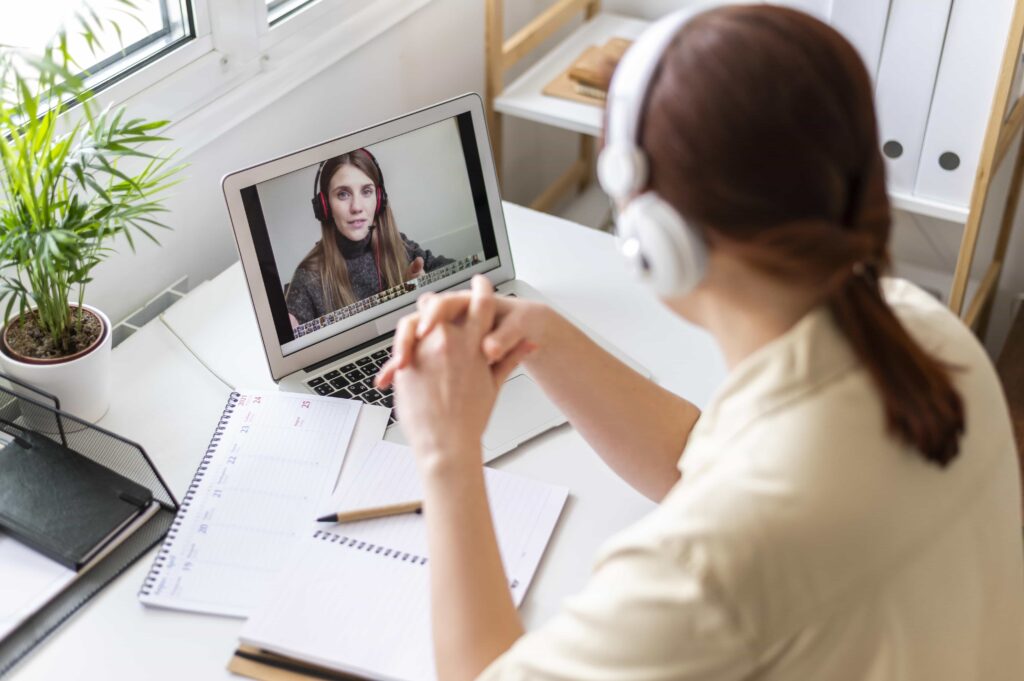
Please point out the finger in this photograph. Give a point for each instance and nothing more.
(401, 350)
(501, 341)
(416, 267)
(423, 302)
(481, 305)
(442, 309)
(502, 369)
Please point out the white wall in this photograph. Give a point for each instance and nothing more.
(428, 190)
(429, 57)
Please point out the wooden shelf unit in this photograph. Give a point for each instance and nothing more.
(1005, 122)
(523, 98)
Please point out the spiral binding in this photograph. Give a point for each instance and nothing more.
(370, 547)
(172, 533)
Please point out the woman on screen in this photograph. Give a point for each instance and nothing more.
(846, 507)
(360, 252)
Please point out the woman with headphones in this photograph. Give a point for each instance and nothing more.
(847, 507)
(360, 252)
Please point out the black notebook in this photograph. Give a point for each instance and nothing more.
(61, 503)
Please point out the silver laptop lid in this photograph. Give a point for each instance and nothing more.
(332, 238)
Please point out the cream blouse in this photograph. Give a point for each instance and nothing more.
(804, 543)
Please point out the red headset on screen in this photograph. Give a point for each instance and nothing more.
(323, 213)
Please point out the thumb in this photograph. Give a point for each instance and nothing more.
(415, 269)
(502, 369)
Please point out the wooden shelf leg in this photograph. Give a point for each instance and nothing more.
(494, 37)
(587, 159)
(1003, 240)
(996, 143)
(560, 187)
(495, 126)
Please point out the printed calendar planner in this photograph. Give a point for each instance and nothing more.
(271, 465)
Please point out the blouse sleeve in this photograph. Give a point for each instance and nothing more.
(643, 616)
(430, 261)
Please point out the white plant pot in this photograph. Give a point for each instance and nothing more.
(82, 385)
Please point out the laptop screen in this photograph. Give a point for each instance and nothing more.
(360, 234)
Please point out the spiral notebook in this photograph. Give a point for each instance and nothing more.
(272, 462)
(357, 599)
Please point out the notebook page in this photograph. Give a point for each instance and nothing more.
(524, 511)
(28, 580)
(356, 611)
(275, 460)
(357, 599)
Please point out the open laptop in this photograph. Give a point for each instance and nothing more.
(442, 194)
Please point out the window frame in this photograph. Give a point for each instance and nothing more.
(237, 63)
(130, 58)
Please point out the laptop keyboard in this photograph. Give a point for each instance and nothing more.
(354, 381)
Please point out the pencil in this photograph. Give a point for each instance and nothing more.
(375, 512)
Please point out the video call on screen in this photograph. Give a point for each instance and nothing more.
(370, 227)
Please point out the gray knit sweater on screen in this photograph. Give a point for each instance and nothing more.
(305, 296)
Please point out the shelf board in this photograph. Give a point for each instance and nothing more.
(523, 98)
(929, 207)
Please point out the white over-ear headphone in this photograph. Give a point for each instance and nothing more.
(667, 253)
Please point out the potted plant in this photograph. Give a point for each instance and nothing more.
(69, 186)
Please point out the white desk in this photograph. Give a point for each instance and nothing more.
(169, 402)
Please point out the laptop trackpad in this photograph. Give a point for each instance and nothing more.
(522, 410)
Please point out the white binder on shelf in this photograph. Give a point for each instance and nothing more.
(906, 79)
(963, 99)
(863, 23)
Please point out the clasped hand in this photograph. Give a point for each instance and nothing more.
(448, 362)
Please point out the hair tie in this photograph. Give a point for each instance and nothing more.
(868, 269)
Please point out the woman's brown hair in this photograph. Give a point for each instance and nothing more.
(326, 257)
(760, 130)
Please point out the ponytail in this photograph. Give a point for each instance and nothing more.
(921, 406)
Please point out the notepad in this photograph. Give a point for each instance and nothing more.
(357, 598)
(62, 503)
(273, 460)
(29, 580)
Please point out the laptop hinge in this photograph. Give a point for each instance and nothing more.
(351, 351)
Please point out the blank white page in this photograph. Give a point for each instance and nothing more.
(525, 511)
(28, 580)
(350, 608)
(357, 598)
(274, 459)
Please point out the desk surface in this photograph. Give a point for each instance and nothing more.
(174, 375)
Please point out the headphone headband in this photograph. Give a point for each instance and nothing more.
(664, 250)
(622, 166)
(320, 208)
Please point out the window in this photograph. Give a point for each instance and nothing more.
(125, 42)
(205, 65)
(279, 10)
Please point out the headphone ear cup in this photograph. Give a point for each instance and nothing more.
(669, 255)
(621, 171)
(318, 207)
